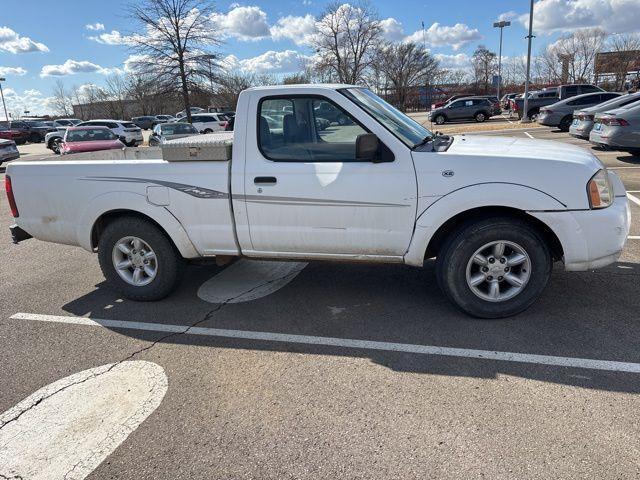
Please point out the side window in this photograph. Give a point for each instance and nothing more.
(589, 89)
(608, 96)
(457, 104)
(110, 125)
(571, 91)
(468, 103)
(306, 129)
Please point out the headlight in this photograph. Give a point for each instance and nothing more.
(599, 190)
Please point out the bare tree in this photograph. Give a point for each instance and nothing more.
(626, 58)
(484, 66)
(231, 84)
(572, 57)
(406, 65)
(61, 99)
(115, 95)
(176, 43)
(347, 37)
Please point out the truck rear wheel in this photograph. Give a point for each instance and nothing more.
(494, 268)
(138, 260)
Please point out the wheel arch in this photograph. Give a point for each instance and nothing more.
(481, 213)
(478, 202)
(110, 206)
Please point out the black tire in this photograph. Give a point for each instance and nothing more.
(54, 145)
(533, 114)
(170, 265)
(480, 117)
(208, 130)
(35, 138)
(440, 119)
(565, 123)
(462, 244)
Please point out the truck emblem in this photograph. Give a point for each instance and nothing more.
(448, 173)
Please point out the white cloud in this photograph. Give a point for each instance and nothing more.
(111, 38)
(95, 27)
(298, 29)
(71, 67)
(453, 62)
(12, 42)
(18, 71)
(243, 23)
(273, 62)
(456, 36)
(31, 100)
(614, 16)
(392, 29)
(507, 16)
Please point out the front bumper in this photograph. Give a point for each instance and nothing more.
(590, 238)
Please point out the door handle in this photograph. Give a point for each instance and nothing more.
(265, 180)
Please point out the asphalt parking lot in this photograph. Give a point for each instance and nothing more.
(319, 370)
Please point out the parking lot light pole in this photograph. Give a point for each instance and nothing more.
(525, 113)
(501, 24)
(6, 116)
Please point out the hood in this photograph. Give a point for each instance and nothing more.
(523, 148)
(178, 135)
(92, 146)
(560, 170)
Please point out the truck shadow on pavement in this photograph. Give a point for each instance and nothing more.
(581, 315)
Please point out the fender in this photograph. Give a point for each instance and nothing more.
(137, 203)
(507, 195)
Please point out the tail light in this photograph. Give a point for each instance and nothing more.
(545, 110)
(10, 197)
(615, 122)
(223, 124)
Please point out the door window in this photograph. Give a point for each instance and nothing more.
(306, 129)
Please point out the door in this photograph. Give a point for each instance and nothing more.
(305, 192)
(457, 110)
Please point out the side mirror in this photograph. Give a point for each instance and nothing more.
(367, 145)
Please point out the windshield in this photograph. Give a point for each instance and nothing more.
(410, 132)
(90, 134)
(36, 123)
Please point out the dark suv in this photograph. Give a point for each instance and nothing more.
(34, 130)
(468, 108)
(147, 122)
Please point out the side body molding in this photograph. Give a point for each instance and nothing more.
(137, 203)
(475, 196)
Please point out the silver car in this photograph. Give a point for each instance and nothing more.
(618, 129)
(583, 119)
(560, 114)
(8, 150)
(169, 131)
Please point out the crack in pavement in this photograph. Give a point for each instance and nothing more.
(206, 317)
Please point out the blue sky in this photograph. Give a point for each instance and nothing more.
(41, 42)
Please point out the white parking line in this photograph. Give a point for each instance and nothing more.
(67, 428)
(634, 237)
(608, 365)
(528, 135)
(634, 199)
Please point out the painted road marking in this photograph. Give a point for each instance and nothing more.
(257, 278)
(528, 135)
(619, 168)
(527, 358)
(634, 237)
(66, 429)
(634, 199)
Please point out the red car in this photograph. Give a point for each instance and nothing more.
(17, 136)
(89, 139)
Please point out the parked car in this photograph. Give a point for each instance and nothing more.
(560, 114)
(583, 118)
(494, 212)
(20, 137)
(326, 111)
(170, 131)
(183, 113)
(89, 139)
(166, 118)
(468, 108)
(53, 139)
(35, 130)
(554, 94)
(8, 151)
(618, 129)
(146, 122)
(66, 122)
(208, 122)
(129, 133)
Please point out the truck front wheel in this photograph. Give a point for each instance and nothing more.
(494, 268)
(138, 260)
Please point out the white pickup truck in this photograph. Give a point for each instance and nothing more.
(374, 187)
